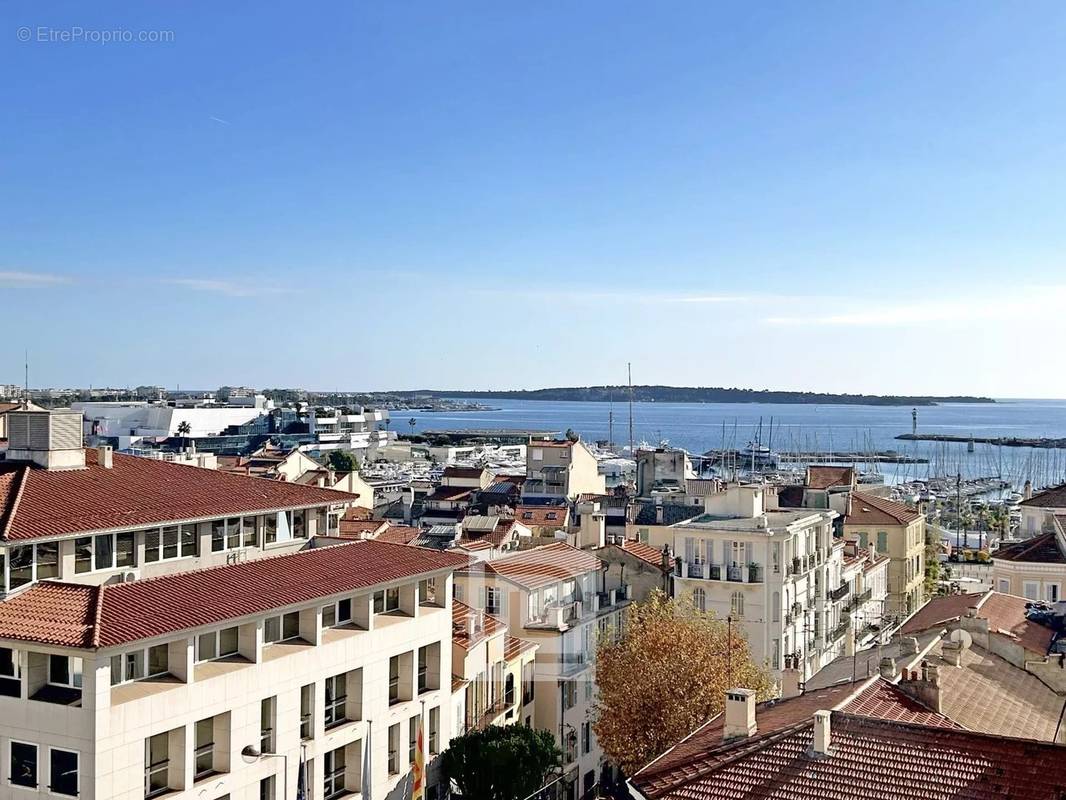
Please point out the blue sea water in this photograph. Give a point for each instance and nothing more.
(698, 427)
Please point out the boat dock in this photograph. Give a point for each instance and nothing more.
(818, 457)
(1004, 441)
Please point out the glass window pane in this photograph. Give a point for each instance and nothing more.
(21, 567)
(207, 646)
(63, 772)
(344, 610)
(379, 602)
(116, 670)
(270, 528)
(23, 765)
(189, 543)
(329, 616)
(83, 554)
(170, 541)
(47, 560)
(104, 551)
(228, 641)
(291, 625)
(218, 535)
(126, 549)
(250, 533)
(151, 545)
(135, 665)
(272, 629)
(233, 534)
(8, 663)
(59, 670)
(158, 660)
(299, 524)
(392, 599)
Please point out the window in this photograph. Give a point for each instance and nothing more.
(586, 738)
(268, 710)
(138, 664)
(569, 694)
(339, 613)
(1004, 585)
(394, 680)
(427, 591)
(775, 610)
(23, 766)
(736, 604)
(394, 749)
(699, 599)
(232, 534)
(156, 765)
(508, 690)
(434, 730)
(267, 789)
(1052, 591)
(333, 766)
(63, 772)
(386, 600)
(250, 531)
(270, 528)
(1031, 590)
(282, 628)
(204, 763)
(217, 644)
(336, 697)
(882, 542)
(307, 703)
(104, 551)
(158, 660)
(527, 683)
(423, 669)
(493, 600)
(170, 542)
(64, 671)
(299, 524)
(412, 739)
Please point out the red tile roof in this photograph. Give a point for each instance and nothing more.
(1006, 614)
(463, 472)
(1043, 549)
(866, 509)
(1054, 497)
(826, 477)
(542, 516)
(873, 696)
(541, 566)
(360, 528)
(871, 758)
(939, 611)
(135, 492)
(645, 552)
(398, 534)
(462, 614)
(514, 647)
(106, 616)
(451, 494)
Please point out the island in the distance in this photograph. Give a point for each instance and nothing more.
(696, 394)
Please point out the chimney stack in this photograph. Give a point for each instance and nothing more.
(1027, 490)
(923, 686)
(739, 714)
(888, 668)
(104, 457)
(822, 733)
(790, 681)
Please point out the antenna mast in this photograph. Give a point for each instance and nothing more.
(629, 368)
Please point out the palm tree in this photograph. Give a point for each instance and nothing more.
(412, 422)
(184, 429)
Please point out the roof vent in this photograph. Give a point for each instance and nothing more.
(49, 439)
(822, 734)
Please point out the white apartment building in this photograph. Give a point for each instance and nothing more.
(559, 469)
(778, 574)
(553, 596)
(222, 683)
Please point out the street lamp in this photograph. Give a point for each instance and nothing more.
(251, 754)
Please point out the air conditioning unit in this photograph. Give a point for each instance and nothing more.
(129, 576)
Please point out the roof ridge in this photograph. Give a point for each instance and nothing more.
(98, 613)
(23, 477)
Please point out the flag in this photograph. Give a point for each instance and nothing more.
(367, 784)
(418, 780)
(301, 777)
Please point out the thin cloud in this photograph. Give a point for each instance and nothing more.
(604, 296)
(30, 280)
(219, 120)
(228, 288)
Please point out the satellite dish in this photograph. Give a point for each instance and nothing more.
(961, 638)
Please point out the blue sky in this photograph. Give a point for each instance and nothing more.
(826, 196)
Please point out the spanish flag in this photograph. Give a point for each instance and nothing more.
(418, 780)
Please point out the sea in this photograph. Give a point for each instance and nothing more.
(698, 427)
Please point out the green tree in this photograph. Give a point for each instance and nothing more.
(500, 762)
(184, 429)
(342, 461)
(666, 674)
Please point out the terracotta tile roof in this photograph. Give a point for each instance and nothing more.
(5, 407)
(872, 758)
(79, 616)
(543, 516)
(866, 509)
(550, 443)
(1006, 614)
(458, 683)
(645, 552)
(1054, 497)
(939, 611)
(702, 487)
(451, 494)
(826, 477)
(462, 614)
(398, 534)
(134, 492)
(360, 528)
(514, 647)
(1043, 549)
(541, 566)
(358, 512)
(494, 537)
(873, 696)
(463, 472)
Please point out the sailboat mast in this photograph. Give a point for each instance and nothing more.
(629, 369)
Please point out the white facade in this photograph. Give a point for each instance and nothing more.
(131, 422)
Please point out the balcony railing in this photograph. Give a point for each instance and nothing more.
(754, 573)
(612, 597)
(734, 573)
(863, 596)
(556, 616)
(838, 631)
(839, 592)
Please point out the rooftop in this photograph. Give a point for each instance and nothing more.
(542, 516)
(37, 503)
(867, 509)
(1054, 497)
(541, 566)
(1043, 549)
(774, 520)
(80, 616)
(828, 477)
(487, 625)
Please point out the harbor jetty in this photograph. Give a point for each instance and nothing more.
(1003, 441)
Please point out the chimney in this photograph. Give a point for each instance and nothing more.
(923, 686)
(888, 668)
(739, 714)
(908, 645)
(104, 457)
(658, 511)
(1027, 490)
(790, 682)
(820, 743)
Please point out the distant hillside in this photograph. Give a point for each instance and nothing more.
(692, 394)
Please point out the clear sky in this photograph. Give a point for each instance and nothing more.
(861, 197)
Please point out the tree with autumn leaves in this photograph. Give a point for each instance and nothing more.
(666, 675)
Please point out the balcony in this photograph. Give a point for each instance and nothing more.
(556, 616)
(754, 573)
(840, 592)
(838, 631)
(571, 663)
(734, 574)
(612, 597)
(863, 596)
